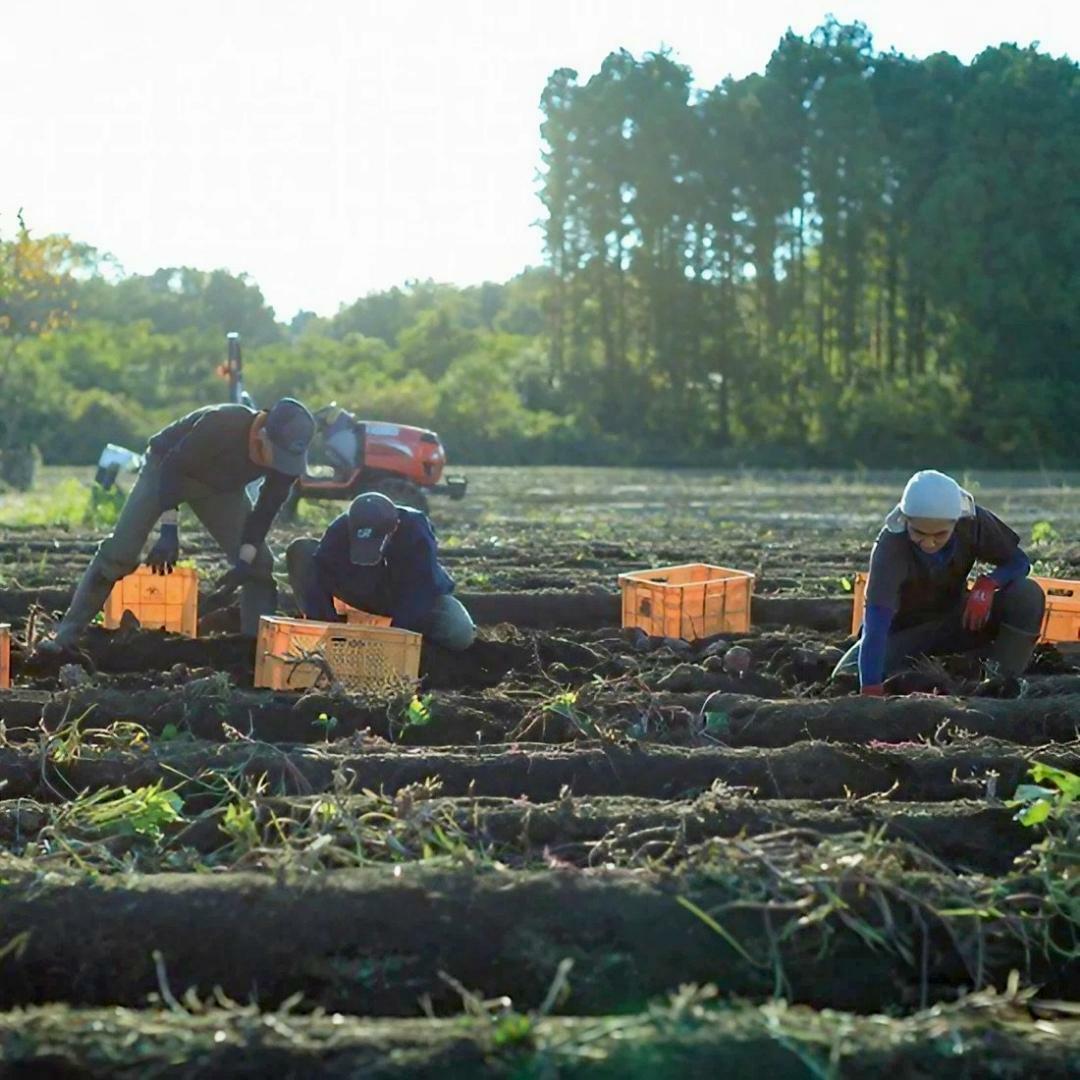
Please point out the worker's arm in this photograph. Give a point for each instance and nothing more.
(415, 572)
(875, 636)
(980, 599)
(995, 543)
(883, 588)
(329, 558)
(318, 602)
(1015, 568)
(272, 494)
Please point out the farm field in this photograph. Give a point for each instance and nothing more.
(575, 850)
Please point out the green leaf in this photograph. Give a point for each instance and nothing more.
(1027, 793)
(1035, 814)
(1066, 782)
(717, 723)
(512, 1030)
(418, 712)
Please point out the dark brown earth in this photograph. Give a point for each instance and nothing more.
(363, 941)
(539, 773)
(565, 784)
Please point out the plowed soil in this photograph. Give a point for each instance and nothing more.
(539, 844)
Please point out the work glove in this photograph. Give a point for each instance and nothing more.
(877, 690)
(979, 602)
(163, 556)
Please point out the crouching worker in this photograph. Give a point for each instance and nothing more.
(383, 559)
(917, 601)
(206, 460)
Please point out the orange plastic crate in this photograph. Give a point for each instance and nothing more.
(692, 601)
(858, 600)
(360, 657)
(1061, 623)
(5, 655)
(158, 601)
(356, 617)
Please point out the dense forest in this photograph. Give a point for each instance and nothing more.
(853, 257)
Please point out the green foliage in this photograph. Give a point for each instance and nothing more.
(831, 254)
(238, 824)
(717, 723)
(851, 257)
(326, 723)
(103, 507)
(514, 1029)
(91, 413)
(71, 502)
(418, 711)
(1042, 532)
(565, 705)
(1038, 803)
(143, 812)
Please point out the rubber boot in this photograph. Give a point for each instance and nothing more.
(90, 596)
(1011, 650)
(257, 598)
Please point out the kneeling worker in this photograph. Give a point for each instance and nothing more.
(917, 600)
(205, 459)
(383, 559)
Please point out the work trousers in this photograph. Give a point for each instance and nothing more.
(223, 513)
(1008, 638)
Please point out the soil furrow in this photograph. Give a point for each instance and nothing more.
(598, 831)
(374, 941)
(746, 721)
(541, 609)
(772, 1041)
(820, 770)
(211, 710)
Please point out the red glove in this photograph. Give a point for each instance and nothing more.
(979, 602)
(873, 691)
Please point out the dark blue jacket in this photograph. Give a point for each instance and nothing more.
(405, 585)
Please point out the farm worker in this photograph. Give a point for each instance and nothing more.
(205, 459)
(383, 559)
(917, 601)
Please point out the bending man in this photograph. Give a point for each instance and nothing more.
(205, 459)
(383, 559)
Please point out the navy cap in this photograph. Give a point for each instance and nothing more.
(290, 429)
(372, 521)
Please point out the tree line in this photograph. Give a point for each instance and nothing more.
(858, 254)
(853, 257)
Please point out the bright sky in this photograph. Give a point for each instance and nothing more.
(336, 147)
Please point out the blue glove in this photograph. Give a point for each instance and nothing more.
(163, 556)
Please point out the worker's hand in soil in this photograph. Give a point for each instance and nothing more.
(979, 602)
(163, 556)
(877, 690)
